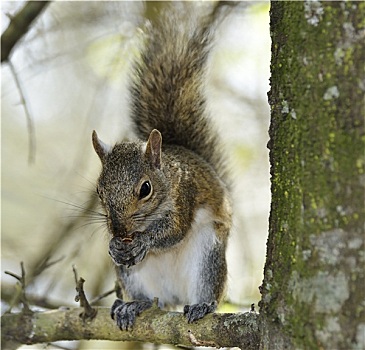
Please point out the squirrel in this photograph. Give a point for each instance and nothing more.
(166, 195)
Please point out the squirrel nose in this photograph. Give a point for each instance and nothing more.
(117, 228)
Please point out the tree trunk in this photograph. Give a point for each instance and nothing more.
(313, 289)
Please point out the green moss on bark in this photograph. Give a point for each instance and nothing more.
(314, 266)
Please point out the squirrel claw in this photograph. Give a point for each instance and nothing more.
(197, 311)
(125, 313)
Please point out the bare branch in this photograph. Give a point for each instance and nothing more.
(45, 264)
(89, 312)
(20, 293)
(12, 274)
(103, 295)
(30, 124)
(19, 26)
(153, 325)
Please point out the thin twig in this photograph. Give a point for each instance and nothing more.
(89, 312)
(117, 290)
(13, 275)
(30, 124)
(44, 265)
(102, 296)
(20, 294)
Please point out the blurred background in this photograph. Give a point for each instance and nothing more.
(71, 70)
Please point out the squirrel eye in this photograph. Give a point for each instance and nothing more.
(145, 190)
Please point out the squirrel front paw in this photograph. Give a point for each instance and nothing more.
(197, 311)
(127, 252)
(125, 313)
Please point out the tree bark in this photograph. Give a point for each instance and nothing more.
(313, 289)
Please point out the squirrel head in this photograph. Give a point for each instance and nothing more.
(132, 183)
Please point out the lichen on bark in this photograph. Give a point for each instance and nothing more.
(314, 277)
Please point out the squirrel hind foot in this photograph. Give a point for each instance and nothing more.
(197, 311)
(125, 313)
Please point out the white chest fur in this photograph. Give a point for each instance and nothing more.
(175, 275)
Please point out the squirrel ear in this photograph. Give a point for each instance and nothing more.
(153, 148)
(100, 147)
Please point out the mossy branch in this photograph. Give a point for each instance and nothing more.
(153, 325)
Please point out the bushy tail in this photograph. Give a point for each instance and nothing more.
(168, 85)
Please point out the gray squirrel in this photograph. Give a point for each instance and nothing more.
(166, 195)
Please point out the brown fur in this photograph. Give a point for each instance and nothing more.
(176, 234)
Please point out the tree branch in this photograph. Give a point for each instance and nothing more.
(30, 123)
(89, 312)
(21, 290)
(153, 325)
(19, 26)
